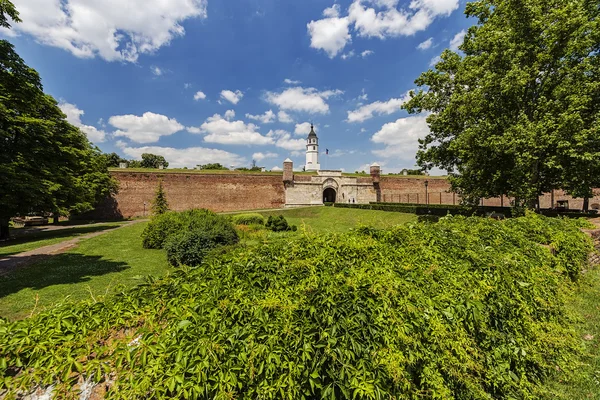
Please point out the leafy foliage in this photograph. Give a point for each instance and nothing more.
(518, 114)
(468, 308)
(279, 224)
(191, 247)
(163, 226)
(248, 219)
(46, 164)
(160, 204)
(216, 166)
(153, 161)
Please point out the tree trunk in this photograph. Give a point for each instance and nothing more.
(4, 233)
(55, 217)
(586, 204)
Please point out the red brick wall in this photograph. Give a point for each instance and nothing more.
(218, 192)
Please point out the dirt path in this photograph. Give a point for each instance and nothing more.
(9, 263)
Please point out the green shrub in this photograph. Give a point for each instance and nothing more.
(163, 226)
(279, 224)
(249, 219)
(467, 308)
(190, 247)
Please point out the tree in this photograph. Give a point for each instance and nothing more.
(113, 160)
(153, 161)
(46, 164)
(513, 115)
(160, 204)
(134, 164)
(216, 166)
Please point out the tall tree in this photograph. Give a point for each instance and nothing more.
(160, 204)
(46, 164)
(153, 161)
(510, 116)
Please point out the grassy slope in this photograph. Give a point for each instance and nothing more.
(26, 242)
(330, 219)
(96, 267)
(586, 306)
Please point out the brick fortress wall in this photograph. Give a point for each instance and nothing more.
(217, 192)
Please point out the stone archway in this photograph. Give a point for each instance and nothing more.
(329, 195)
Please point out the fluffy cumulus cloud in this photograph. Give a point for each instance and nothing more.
(302, 99)
(330, 34)
(457, 40)
(147, 128)
(266, 118)
(114, 30)
(302, 129)
(232, 97)
(379, 107)
(375, 18)
(229, 115)
(276, 168)
(284, 140)
(199, 95)
(261, 156)
(366, 53)
(401, 138)
(291, 82)
(188, 157)
(426, 44)
(284, 117)
(74, 114)
(223, 130)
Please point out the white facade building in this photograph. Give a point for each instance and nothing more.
(312, 151)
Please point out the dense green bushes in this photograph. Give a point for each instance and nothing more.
(248, 219)
(468, 308)
(279, 224)
(188, 236)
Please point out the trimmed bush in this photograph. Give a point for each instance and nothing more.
(190, 248)
(248, 219)
(163, 226)
(279, 224)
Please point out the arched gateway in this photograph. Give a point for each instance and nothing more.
(329, 195)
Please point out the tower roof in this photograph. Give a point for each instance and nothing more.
(312, 132)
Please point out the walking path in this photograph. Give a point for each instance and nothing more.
(9, 263)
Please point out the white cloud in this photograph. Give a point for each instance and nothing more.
(291, 82)
(369, 110)
(364, 96)
(302, 99)
(383, 20)
(229, 115)
(261, 156)
(232, 97)
(145, 129)
(284, 140)
(276, 168)
(332, 12)
(284, 117)
(265, 118)
(223, 131)
(401, 137)
(74, 114)
(347, 55)
(329, 34)
(188, 157)
(366, 53)
(426, 44)
(199, 95)
(187, 85)
(434, 61)
(114, 30)
(302, 129)
(121, 144)
(156, 71)
(457, 40)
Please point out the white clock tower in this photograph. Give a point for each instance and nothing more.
(312, 151)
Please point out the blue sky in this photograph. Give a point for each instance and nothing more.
(234, 80)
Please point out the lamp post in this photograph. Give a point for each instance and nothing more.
(426, 195)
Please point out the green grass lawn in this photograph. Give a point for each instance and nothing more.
(331, 219)
(97, 267)
(33, 240)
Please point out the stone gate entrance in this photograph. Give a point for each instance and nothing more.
(329, 195)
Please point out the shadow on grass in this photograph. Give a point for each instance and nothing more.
(37, 234)
(61, 269)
